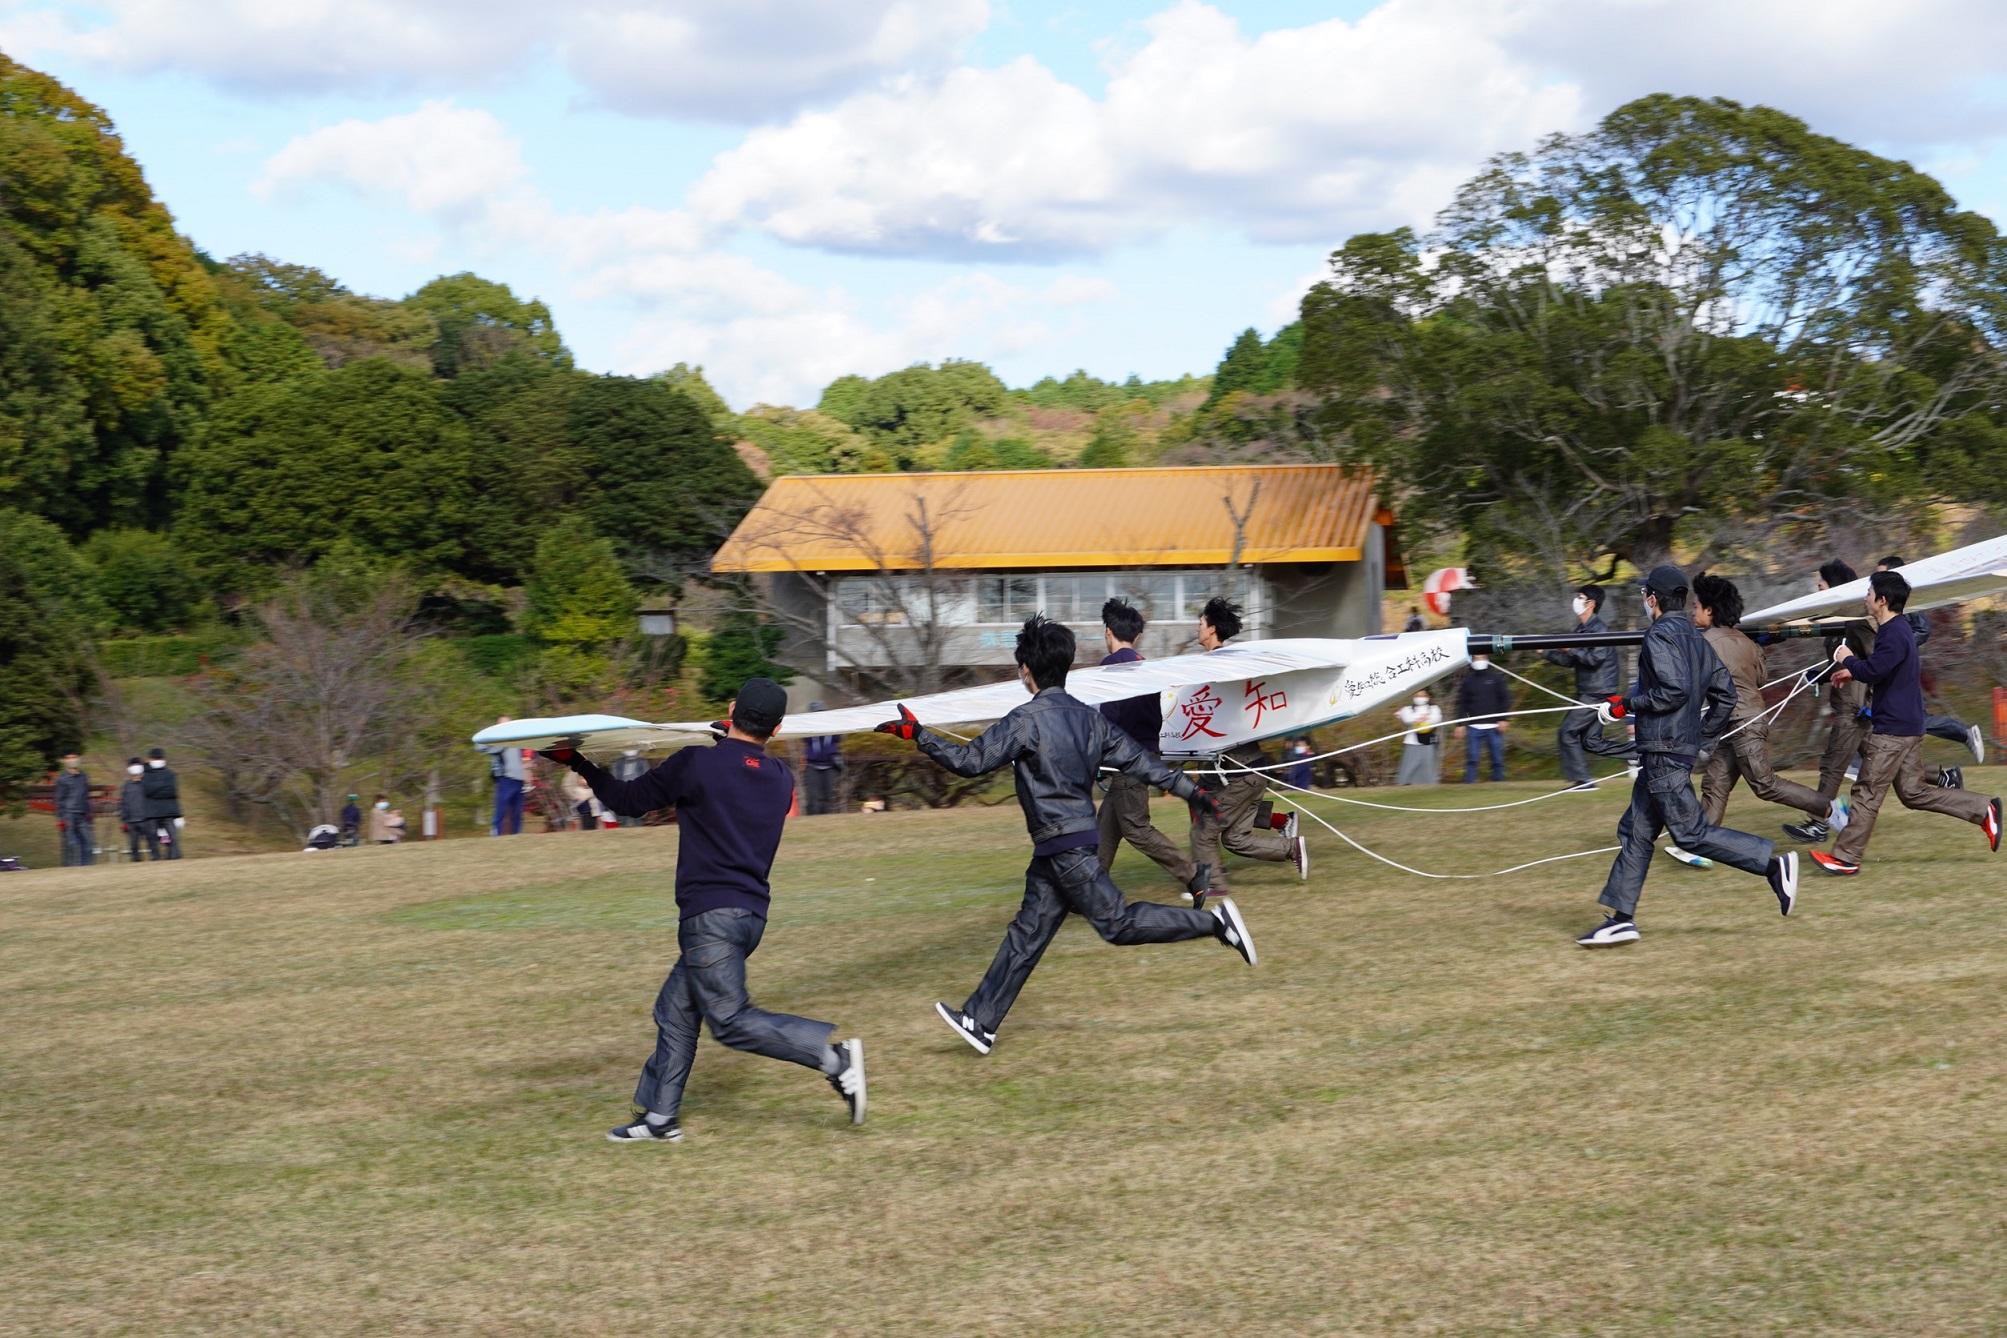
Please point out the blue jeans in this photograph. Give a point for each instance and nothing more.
(1493, 742)
(508, 806)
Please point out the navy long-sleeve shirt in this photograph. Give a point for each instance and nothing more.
(1141, 718)
(1893, 672)
(731, 801)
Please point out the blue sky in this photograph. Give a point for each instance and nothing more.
(784, 190)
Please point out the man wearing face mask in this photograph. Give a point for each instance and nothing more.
(1595, 679)
(132, 812)
(1421, 753)
(73, 811)
(1484, 695)
(1681, 704)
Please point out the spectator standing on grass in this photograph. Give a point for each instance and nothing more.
(731, 801)
(1299, 753)
(505, 765)
(73, 811)
(824, 758)
(1125, 811)
(351, 821)
(1421, 749)
(1415, 623)
(1485, 696)
(132, 812)
(161, 789)
(386, 824)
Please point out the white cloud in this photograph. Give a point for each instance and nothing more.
(454, 164)
(724, 60)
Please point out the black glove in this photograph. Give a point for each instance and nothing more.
(906, 727)
(564, 752)
(721, 727)
(1203, 803)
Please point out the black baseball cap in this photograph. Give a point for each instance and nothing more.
(759, 705)
(1665, 580)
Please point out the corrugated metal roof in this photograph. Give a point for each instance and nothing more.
(1055, 518)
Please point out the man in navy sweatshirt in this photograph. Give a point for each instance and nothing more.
(1055, 745)
(731, 800)
(1125, 813)
(1892, 754)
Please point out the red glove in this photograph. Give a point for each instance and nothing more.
(1616, 700)
(61, 825)
(1203, 803)
(906, 727)
(564, 752)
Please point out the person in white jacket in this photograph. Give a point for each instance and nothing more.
(1421, 748)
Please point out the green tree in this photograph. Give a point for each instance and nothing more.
(367, 452)
(741, 647)
(480, 321)
(577, 594)
(142, 579)
(1244, 368)
(47, 618)
(518, 412)
(665, 486)
(918, 405)
(339, 327)
(843, 399)
(1696, 310)
(803, 441)
(690, 381)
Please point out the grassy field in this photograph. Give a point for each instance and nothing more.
(364, 1092)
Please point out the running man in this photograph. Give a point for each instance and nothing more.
(1848, 702)
(1595, 679)
(1125, 813)
(1680, 704)
(1947, 727)
(1744, 753)
(731, 800)
(1892, 755)
(1056, 744)
(1237, 824)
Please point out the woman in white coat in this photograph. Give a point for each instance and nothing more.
(1421, 749)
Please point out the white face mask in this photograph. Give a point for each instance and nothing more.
(1480, 662)
(383, 803)
(157, 762)
(1421, 701)
(1580, 605)
(135, 770)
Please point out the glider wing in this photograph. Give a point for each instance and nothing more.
(1971, 572)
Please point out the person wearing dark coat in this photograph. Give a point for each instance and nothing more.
(1055, 745)
(1595, 679)
(73, 811)
(1485, 696)
(1125, 812)
(824, 758)
(162, 792)
(1681, 704)
(132, 812)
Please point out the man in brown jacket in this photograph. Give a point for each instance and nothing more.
(1848, 702)
(1744, 752)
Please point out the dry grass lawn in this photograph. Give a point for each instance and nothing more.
(363, 1093)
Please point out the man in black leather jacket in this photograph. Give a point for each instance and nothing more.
(1595, 669)
(1056, 744)
(1681, 706)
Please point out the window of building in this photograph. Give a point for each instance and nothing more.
(1006, 599)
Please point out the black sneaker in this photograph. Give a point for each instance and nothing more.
(849, 1080)
(966, 1028)
(1811, 833)
(1616, 930)
(1951, 778)
(641, 1131)
(1200, 887)
(1232, 930)
(1783, 873)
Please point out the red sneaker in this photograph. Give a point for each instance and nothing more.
(1834, 865)
(1992, 824)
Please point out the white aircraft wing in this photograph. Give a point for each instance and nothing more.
(597, 733)
(1971, 572)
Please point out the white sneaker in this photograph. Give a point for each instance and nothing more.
(1976, 741)
(1233, 929)
(1687, 857)
(849, 1080)
(1618, 929)
(1301, 856)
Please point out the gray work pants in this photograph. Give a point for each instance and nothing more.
(708, 983)
(1662, 801)
(1125, 816)
(1581, 733)
(1073, 882)
(1745, 755)
(1239, 797)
